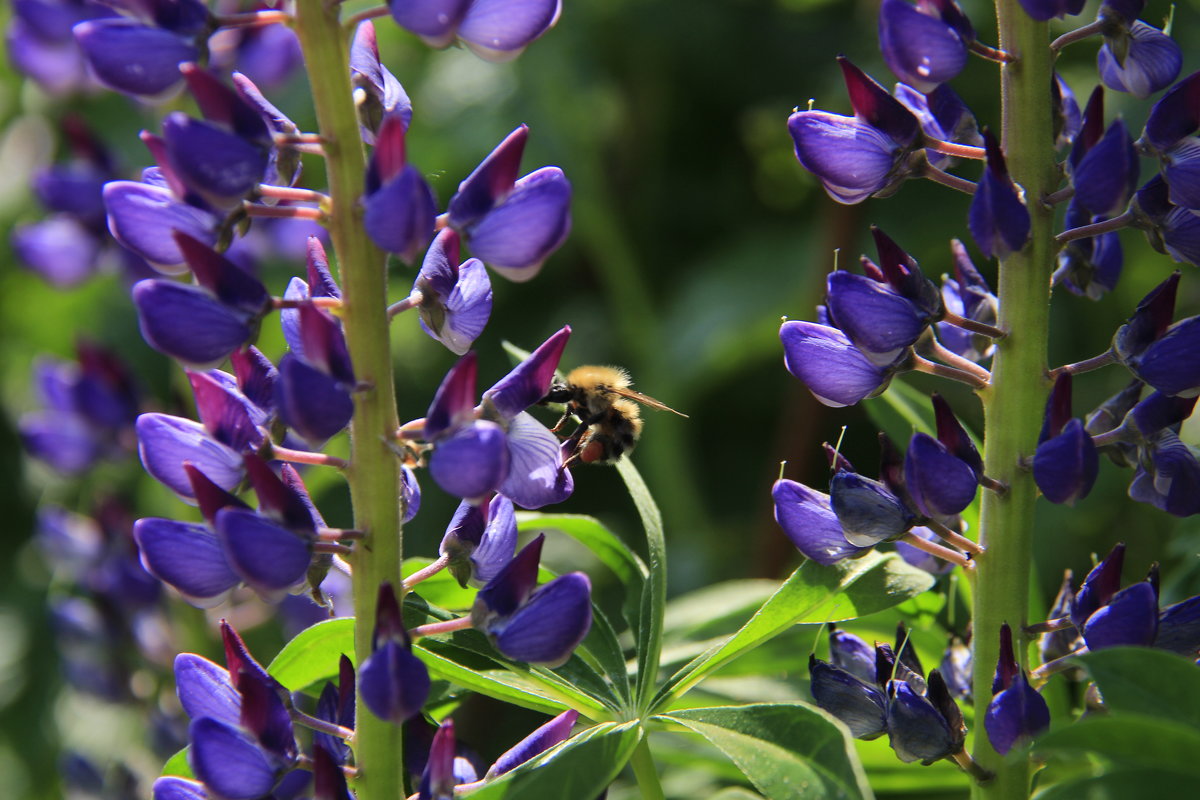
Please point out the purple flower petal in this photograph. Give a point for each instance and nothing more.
(498, 30)
(1016, 713)
(216, 163)
(1065, 466)
(1151, 63)
(171, 788)
(186, 556)
(547, 736)
(852, 159)
(453, 405)
(920, 48)
(434, 20)
(529, 381)
(834, 370)
(59, 248)
(940, 483)
(490, 182)
(228, 761)
(536, 476)
(134, 58)
(548, 627)
(859, 705)
(142, 217)
(268, 557)
(187, 323)
(205, 690)
(165, 442)
(878, 320)
(471, 462)
(310, 402)
(65, 441)
(1130, 618)
(808, 520)
(515, 237)
(393, 683)
(399, 216)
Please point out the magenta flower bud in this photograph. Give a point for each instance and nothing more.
(539, 625)
(552, 733)
(133, 58)
(809, 522)
(833, 369)
(439, 779)
(998, 219)
(393, 682)
(924, 45)
(456, 298)
(399, 206)
(1017, 712)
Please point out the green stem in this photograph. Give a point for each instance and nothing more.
(373, 475)
(643, 769)
(1014, 403)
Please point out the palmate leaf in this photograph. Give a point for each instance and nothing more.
(812, 593)
(789, 751)
(582, 767)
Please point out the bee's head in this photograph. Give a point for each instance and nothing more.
(559, 393)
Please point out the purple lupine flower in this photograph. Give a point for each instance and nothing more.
(998, 220)
(924, 45)
(858, 704)
(89, 409)
(439, 779)
(329, 781)
(552, 733)
(1179, 628)
(968, 295)
(956, 668)
(480, 540)
(1042, 10)
(860, 156)
(398, 205)
(283, 161)
(1101, 583)
(201, 324)
(869, 511)
(1129, 618)
(336, 705)
(1135, 57)
(1170, 135)
(1091, 266)
(942, 115)
(205, 689)
(834, 370)
(1169, 228)
(1171, 363)
(939, 482)
(923, 726)
(1067, 118)
(267, 54)
(851, 653)
(223, 157)
(393, 682)
(172, 788)
(512, 224)
(42, 46)
(1065, 464)
(807, 519)
(1148, 322)
(456, 297)
(1103, 166)
(495, 30)
(531, 623)
(313, 392)
(470, 457)
(1017, 712)
(1168, 476)
(377, 93)
(1057, 644)
(60, 249)
(884, 312)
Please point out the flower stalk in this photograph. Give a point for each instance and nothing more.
(1013, 407)
(373, 473)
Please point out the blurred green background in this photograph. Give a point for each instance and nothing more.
(695, 231)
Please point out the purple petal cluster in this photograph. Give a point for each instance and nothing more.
(398, 205)
(495, 30)
(1135, 57)
(1017, 711)
(925, 44)
(456, 297)
(998, 220)
(968, 295)
(1065, 464)
(377, 91)
(393, 682)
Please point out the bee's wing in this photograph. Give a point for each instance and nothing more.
(644, 399)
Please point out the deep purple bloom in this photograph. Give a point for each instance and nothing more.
(809, 522)
(859, 705)
(316, 378)
(547, 736)
(924, 45)
(398, 205)
(495, 30)
(968, 295)
(438, 779)
(1017, 712)
(470, 457)
(942, 115)
(1065, 464)
(1169, 228)
(1042, 10)
(144, 216)
(1179, 628)
(134, 58)
(1170, 135)
(923, 726)
(480, 540)
(393, 682)
(869, 512)
(512, 224)
(201, 324)
(60, 249)
(188, 557)
(42, 46)
(998, 220)
(172, 788)
(381, 94)
(1067, 117)
(1129, 618)
(456, 298)
(860, 156)
(852, 653)
(1099, 586)
(1148, 322)
(527, 622)
(1136, 57)
(1168, 476)
(205, 689)
(1090, 266)
(1103, 166)
(833, 369)
(940, 483)
(1057, 644)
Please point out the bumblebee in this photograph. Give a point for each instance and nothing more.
(610, 419)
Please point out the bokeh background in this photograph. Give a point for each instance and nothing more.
(695, 231)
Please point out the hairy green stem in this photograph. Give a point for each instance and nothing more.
(373, 474)
(1014, 404)
(645, 772)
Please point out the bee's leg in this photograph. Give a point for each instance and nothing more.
(562, 421)
(574, 443)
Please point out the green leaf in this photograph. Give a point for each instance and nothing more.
(788, 751)
(313, 654)
(1122, 784)
(1131, 740)
(463, 663)
(812, 593)
(654, 593)
(901, 411)
(591, 533)
(709, 607)
(581, 767)
(441, 589)
(602, 645)
(178, 766)
(1121, 675)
